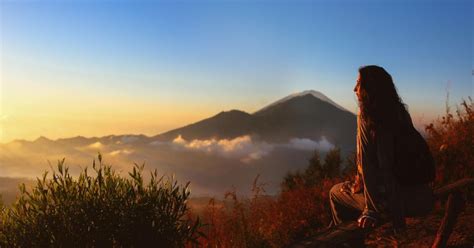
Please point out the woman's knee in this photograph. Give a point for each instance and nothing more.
(335, 190)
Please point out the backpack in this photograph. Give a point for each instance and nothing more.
(414, 164)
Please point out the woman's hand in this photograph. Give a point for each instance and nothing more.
(357, 185)
(347, 187)
(367, 220)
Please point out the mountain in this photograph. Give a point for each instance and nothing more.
(309, 114)
(225, 125)
(306, 115)
(314, 93)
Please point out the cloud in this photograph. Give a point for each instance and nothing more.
(96, 145)
(310, 145)
(158, 143)
(241, 147)
(179, 140)
(121, 151)
(244, 148)
(187, 158)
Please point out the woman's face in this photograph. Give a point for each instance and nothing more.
(357, 88)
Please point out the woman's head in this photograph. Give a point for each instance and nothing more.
(378, 99)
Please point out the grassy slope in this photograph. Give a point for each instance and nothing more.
(421, 231)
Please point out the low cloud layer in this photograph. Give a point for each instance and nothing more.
(247, 150)
(212, 165)
(310, 145)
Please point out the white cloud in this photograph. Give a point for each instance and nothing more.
(244, 148)
(179, 140)
(127, 139)
(158, 143)
(121, 151)
(310, 145)
(96, 145)
(240, 147)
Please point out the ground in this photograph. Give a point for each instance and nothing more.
(421, 232)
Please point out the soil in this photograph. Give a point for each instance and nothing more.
(421, 232)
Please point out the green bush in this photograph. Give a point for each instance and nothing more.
(318, 171)
(100, 210)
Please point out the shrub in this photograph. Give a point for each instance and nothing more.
(332, 163)
(316, 171)
(293, 180)
(265, 221)
(100, 210)
(350, 169)
(451, 140)
(299, 210)
(1, 214)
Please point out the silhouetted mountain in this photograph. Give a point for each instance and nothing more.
(306, 116)
(314, 93)
(309, 114)
(225, 125)
(77, 141)
(43, 141)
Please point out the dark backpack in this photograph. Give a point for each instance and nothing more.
(414, 164)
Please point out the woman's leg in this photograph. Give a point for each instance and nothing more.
(345, 205)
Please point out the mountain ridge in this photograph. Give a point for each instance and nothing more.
(307, 114)
(314, 93)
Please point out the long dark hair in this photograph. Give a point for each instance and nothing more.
(380, 105)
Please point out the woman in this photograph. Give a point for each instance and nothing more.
(377, 193)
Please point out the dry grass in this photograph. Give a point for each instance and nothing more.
(293, 214)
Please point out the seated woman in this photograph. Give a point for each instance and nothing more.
(377, 191)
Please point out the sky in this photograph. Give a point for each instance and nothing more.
(96, 68)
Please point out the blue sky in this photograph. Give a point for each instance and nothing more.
(178, 62)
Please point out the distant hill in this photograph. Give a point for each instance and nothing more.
(308, 114)
(9, 188)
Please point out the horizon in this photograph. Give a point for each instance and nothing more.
(150, 135)
(96, 69)
(418, 125)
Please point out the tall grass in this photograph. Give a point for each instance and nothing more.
(265, 221)
(99, 209)
(451, 140)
